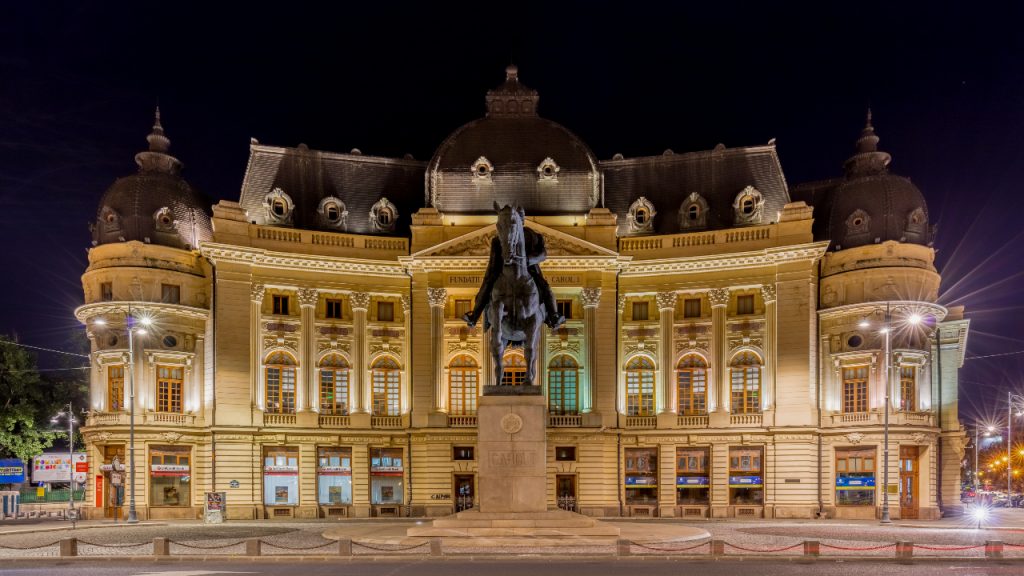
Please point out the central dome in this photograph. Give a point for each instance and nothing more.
(513, 156)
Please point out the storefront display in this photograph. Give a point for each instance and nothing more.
(746, 483)
(281, 476)
(855, 476)
(334, 475)
(386, 473)
(170, 475)
(641, 479)
(693, 484)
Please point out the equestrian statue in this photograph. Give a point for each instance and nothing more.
(514, 297)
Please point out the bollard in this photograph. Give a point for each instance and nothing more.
(252, 547)
(344, 547)
(904, 552)
(812, 548)
(435, 547)
(994, 549)
(69, 547)
(161, 547)
(718, 547)
(622, 547)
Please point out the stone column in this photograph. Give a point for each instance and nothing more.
(256, 345)
(770, 321)
(437, 297)
(666, 401)
(719, 298)
(305, 392)
(198, 376)
(590, 297)
(360, 304)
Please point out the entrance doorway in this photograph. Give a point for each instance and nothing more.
(909, 482)
(565, 492)
(464, 492)
(113, 495)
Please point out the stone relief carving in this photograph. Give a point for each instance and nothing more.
(406, 303)
(307, 296)
(171, 437)
(718, 297)
(590, 297)
(666, 300)
(621, 303)
(325, 345)
(854, 437)
(437, 296)
(701, 345)
(360, 300)
(475, 246)
(564, 346)
(768, 293)
(463, 345)
(257, 292)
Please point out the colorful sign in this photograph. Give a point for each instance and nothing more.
(57, 468)
(693, 481)
(848, 483)
(745, 482)
(12, 471)
(641, 481)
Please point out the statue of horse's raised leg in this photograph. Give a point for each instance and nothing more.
(531, 326)
(495, 311)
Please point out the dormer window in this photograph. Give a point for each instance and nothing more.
(164, 220)
(279, 207)
(482, 169)
(111, 219)
(548, 170)
(858, 222)
(641, 216)
(693, 212)
(748, 206)
(332, 213)
(383, 216)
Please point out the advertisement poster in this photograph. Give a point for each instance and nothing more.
(56, 468)
(12, 471)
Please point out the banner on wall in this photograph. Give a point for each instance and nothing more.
(57, 468)
(12, 471)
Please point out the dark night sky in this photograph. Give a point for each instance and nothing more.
(78, 83)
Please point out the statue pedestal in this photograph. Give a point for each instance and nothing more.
(512, 452)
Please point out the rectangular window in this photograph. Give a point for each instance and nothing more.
(386, 474)
(170, 293)
(334, 475)
(640, 311)
(115, 388)
(855, 476)
(855, 389)
(333, 309)
(908, 388)
(691, 308)
(565, 453)
(170, 475)
(463, 453)
(745, 304)
(385, 311)
(280, 305)
(168, 388)
(463, 307)
(565, 308)
(641, 479)
(693, 482)
(107, 291)
(746, 483)
(281, 476)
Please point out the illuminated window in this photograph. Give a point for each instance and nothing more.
(463, 307)
(280, 304)
(692, 379)
(640, 387)
(855, 389)
(745, 304)
(563, 375)
(515, 369)
(745, 376)
(115, 388)
(333, 309)
(691, 308)
(463, 376)
(855, 476)
(168, 388)
(640, 311)
(280, 383)
(565, 308)
(334, 375)
(386, 378)
(385, 311)
(908, 388)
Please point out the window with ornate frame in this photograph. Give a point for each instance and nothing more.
(514, 373)
(169, 381)
(334, 380)
(463, 378)
(115, 388)
(563, 379)
(908, 388)
(745, 377)
(386, 378)
(855, 389)
(279, 369)
(640, 387)
(692, 381)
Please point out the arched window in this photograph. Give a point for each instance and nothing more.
(640, 387)
(515, 369)
(563, 379)
(334, 375)
(387, 387)
(279, 368)
(745, 375)
(463, 376)
(692, 382)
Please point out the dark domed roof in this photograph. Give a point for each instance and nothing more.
(156, 205)
(513, 156)
(871, 205)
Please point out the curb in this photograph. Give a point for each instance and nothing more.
(547, 558)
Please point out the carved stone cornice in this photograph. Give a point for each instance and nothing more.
(740, 260)
(257, 292)
(307, 296)
(718, 297)
(590, 297)
(768, 293)
(437, 296)
(666, 300)
(156, 309)
(217, 253)
(360, 300)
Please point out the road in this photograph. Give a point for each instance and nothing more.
(509, 567)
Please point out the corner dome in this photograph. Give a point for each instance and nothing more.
(513, 156)
(155, 205)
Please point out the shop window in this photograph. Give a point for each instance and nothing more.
(334, 375)
(745, 376)
(280, 304)
(463, 307)
(106, 291)
(641, 476)
(514, 373)
(691, 308)
(170, 293)
(565, 308)
(280, 383)
(855, 476)
(908, 388)
(746, 483)
(565, 453)
(333, 309)
(281, 476)
(463, 453)
(463, 378)
(170, 475)
(640, 310)
(115, 388)
(745, 304)
(386, 472)
(169, 381)
(386, 378)
(334, 475)
(855, 389)
(563, 376)
(385, 311)
(640, 387)
(692, 380)
(693, 482)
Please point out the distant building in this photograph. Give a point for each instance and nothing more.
(723, 354)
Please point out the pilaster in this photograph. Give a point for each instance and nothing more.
(590, 297)
(256, 295)
(719, 299)
(305, 393)
(360, 302)
(436, 298)
(666, 398)
(770, 320)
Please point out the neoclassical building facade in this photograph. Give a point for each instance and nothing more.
(730, 349)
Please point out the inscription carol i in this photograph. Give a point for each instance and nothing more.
(512, 459)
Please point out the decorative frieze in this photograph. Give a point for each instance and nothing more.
(464, 346)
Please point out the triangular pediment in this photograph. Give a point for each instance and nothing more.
(478, 244)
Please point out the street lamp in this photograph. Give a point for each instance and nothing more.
(977, 439)
(70, 413)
